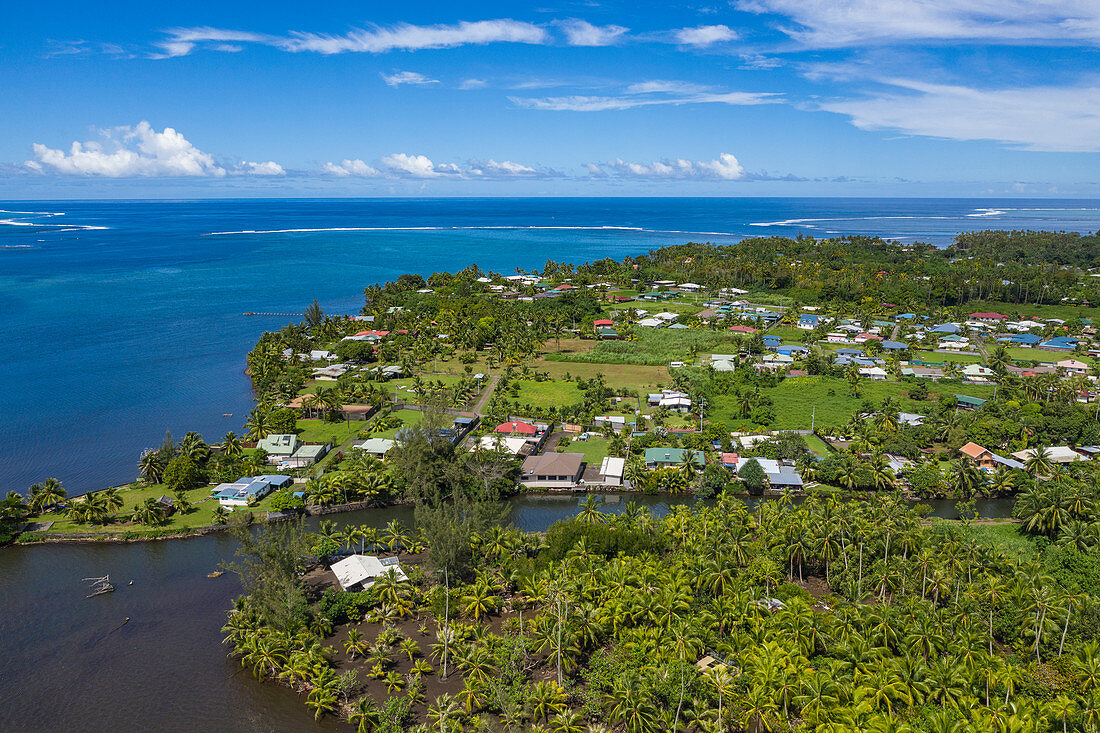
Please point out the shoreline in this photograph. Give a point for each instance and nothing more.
(45, 538)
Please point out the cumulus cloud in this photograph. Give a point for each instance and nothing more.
(415, 166)
(414, 78)
(582, 33)
(124, 152)
(268, 168)
(377, 39)
(834, 23)
(725, 168)
(503, 169)
(646, 94)
(347, 168)
(704, 35)
(473, 84)
(1057, 119)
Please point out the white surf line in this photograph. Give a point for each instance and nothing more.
(465, 228)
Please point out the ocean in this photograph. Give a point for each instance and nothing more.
(120, 320)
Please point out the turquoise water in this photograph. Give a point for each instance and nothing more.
(120, 320)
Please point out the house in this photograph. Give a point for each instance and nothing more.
(922, 372)
(611, 471)
(669, 457)
(670, 399)
(945, 328)
(552, 470)
(723, 365)
(689, 287)
(602, 323)
(865, 336)
(742, 329)
(953, 343)
(876, 373)
(356, 412)
(608, 334)
(1072, 366)
(514, 445)
(837, 338)
(910, 419)
(359, 572)
(894, 346)
(969, 403)
(287, 451)
(331, 373)
(319, 355)
(515, 427)
(978, 373)
(988, 317)
(780, 475)
(1055, 454)
(376, 447)
(731, 292)
(979, 456)
(808, 321)
(667, 316)
(651, 323)
(1020, 339)
(1059, 343)
(241, 491)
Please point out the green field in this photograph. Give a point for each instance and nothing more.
(594, 450)
(321, 431)
(816, 445)
(797, 398)
(547, 394)
(201, 514)
(409, 419)
(669, 306)
(620, 376)
(653, 347)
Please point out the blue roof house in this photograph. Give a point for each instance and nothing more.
(808, 321)
(894, 346)
(1060, 343)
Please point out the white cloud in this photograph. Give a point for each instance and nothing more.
(704, 35)
(473, 84)
(725, 168)
(833, 23)
(414, 78)
(414, 166)
(129, 152)
(268, 168)
(350, 168)
(503, 169)
(645, 94)
(582, 33)
(377, 39)
(1059, 119)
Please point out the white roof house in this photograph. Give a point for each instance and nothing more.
(511, 444)
(1073, 366)
(361, 571)
(1057, 454)
(667, 316)
(651, 323)
(377, 447)
(611, 470)
(876, 373)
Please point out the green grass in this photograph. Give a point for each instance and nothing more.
(1007, 537)
(320, 431)
(1065, 312)
(594, 450)
(788, 333)
(653, 347)
(547, 394)
(816, 445)
(1030, 355)
(796, 398)
(619, 376)
(201, 515)
(409, 419)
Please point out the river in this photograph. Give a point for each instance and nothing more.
(71, 663)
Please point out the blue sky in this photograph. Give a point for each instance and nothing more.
(741, 98)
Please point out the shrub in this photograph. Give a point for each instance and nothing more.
(285, 501)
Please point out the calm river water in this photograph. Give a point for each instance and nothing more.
(70, 663)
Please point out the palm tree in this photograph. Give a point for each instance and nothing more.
(590, 510)
(365, 715)
(231, 445)
(46, 495)
(1039, 462)
(152, 465)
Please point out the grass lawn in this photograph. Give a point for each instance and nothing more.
(409, 418)
(788, 333)
(593, 449)
(569, 346)
(1039, 355)
(654, 347)
(1006, 536)
(321, 431)
(619, 376)
(1065, 312)
(816, 445)
(796, 398)
(547, 394)
(201, 515)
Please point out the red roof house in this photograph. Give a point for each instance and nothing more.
(742, 329)
(509, 428)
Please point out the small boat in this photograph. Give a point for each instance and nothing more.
(216, 574)
(100, 586)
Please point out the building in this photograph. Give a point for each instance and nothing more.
(552, 470)
(1072, 366)
(986, 459)
(286, 450)
(515, 445)
(359, 572)
(669, 457)
(808, 321)
(611, 471)
(969, 403)
(988, 317)
(376, 447)
(875, 373)
(670, 399)
(1059, 343)
(1055, 454)
(244, 489)
(516, 427)
(921, 372)
(978, 373)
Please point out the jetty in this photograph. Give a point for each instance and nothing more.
(256, 313)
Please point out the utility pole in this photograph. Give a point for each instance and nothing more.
(813, 415)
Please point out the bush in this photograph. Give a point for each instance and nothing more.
(599, 538)
(284, 501)
(183, 474)
(340, 607)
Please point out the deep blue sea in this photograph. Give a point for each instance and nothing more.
(121, 319)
